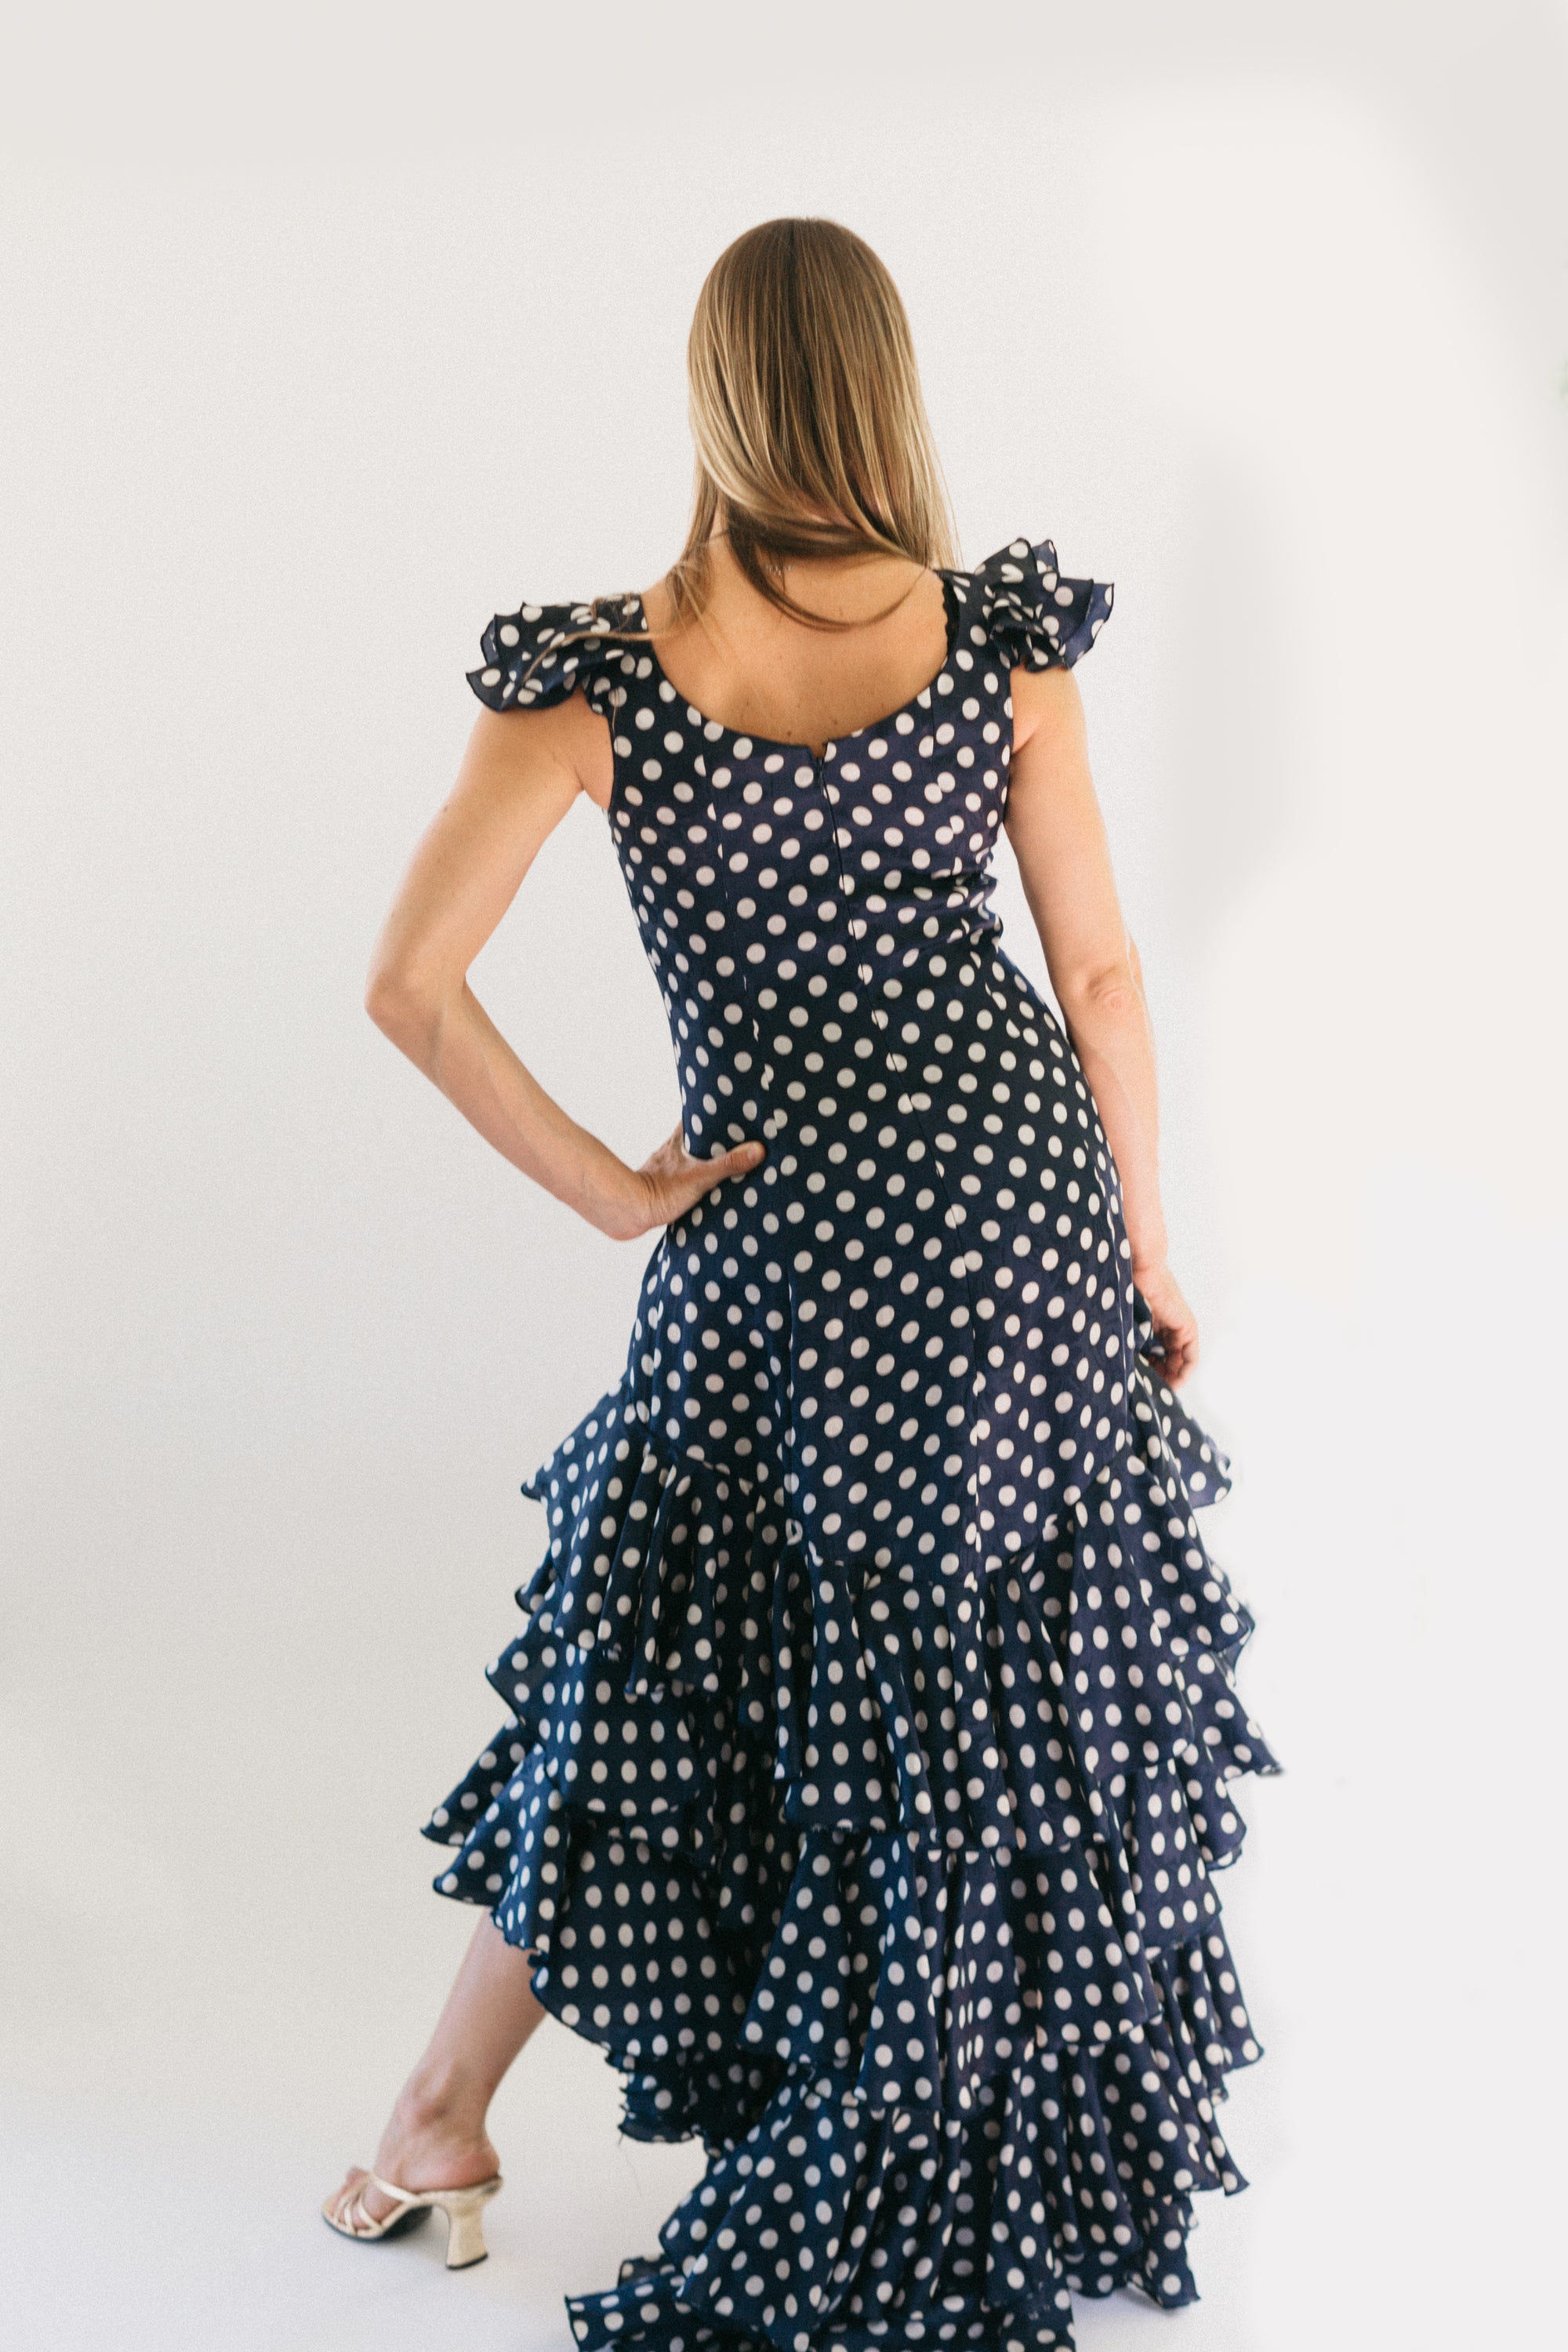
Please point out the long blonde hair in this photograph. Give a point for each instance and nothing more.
(811, 434)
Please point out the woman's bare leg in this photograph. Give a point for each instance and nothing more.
(437, 2136)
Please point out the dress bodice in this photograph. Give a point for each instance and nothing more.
(780, 894)
(822, 932)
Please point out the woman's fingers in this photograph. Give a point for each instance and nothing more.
(1180, 1343)
(737, 1162)
(675, 1179)
(699, 1176)
(1175, 1326)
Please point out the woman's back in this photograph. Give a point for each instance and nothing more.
(820, 926)
(753, 666)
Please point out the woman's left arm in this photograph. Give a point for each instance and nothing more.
(521, 773)
(1058, 835)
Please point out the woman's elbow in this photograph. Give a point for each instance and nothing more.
(1108, 993)
(400, 1006)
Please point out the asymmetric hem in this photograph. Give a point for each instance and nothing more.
(872, 1721)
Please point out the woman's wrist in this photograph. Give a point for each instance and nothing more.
(1149, 1257)
(605, 1188)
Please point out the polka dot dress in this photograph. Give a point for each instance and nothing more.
(871, 1725)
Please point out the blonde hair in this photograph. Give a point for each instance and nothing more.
(812, 436)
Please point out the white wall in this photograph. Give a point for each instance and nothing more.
(330, 335)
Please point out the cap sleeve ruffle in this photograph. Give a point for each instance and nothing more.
(542, 654)
(1044, 621)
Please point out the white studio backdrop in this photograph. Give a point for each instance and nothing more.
(326, 341)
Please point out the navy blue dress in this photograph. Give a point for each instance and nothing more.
(872, 1726)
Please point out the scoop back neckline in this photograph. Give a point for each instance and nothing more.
(951, 610)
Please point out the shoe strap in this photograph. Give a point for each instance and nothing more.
(390, 2188)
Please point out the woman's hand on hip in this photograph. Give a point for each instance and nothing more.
(667, 1183)
(1176, 1325)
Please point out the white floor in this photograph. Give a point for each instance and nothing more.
(186, 2240)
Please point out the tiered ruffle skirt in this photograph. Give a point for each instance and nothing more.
(895, 1887)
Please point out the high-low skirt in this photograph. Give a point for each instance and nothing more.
(894, 1886)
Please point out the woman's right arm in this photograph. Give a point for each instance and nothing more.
(1054, 825)
(521, 773)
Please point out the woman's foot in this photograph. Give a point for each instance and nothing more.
(437, 2139)
(429, 2143)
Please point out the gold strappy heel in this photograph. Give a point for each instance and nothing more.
(463, 2208)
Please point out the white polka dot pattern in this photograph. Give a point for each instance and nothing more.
(872, 1715)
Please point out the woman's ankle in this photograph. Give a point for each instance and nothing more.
(440, 2100)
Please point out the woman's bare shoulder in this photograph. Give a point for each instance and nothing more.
(522, 749)
(1047, 704)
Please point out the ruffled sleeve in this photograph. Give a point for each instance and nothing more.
(542, 654)
(1044, 621)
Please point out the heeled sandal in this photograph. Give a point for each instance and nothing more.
(463, 2208)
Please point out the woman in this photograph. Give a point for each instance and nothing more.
(872, 1719)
